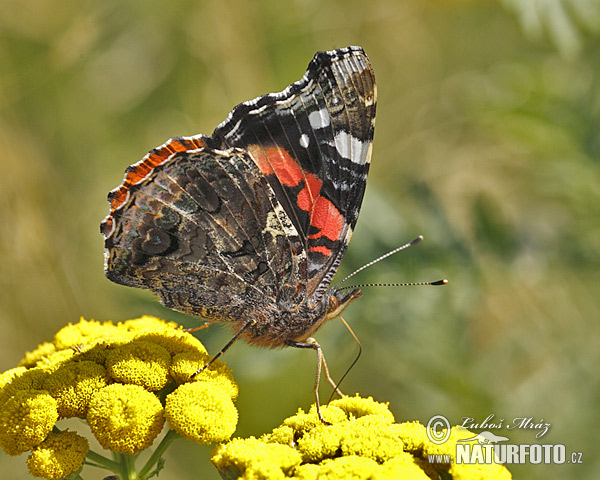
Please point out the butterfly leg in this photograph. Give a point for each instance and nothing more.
(246, 326)
(200, 327)
(330, 380)
(312, 343)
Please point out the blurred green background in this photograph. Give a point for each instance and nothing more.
(487, 143)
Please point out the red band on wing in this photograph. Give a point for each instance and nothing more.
(327, 218)
(320, 249)
(323, 213)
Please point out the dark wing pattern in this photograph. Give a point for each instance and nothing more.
(313, 141)
(205, 232)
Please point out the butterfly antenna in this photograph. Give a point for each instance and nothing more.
(336, 386)
(410, 284)
(379, 259)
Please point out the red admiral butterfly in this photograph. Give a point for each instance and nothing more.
(248, 226)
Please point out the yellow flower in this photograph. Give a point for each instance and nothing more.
(141, 363)
(202, 412)
(357, 407)
(26, 418)
(146, 323)
(361, 442)
(370, 436)
(73, 386)
(32, 358)
(83, 333)
(413, 435)
(54, 360)
(404, 467)
(168, 335)
(463, 471)
(353, 467)
(304, 422)
(20, 379)
(283, 434)
(479, 471)
(106, 373)
(185, 364)
(7, 377)
(58, 456)
(125, 418)
(249, 458)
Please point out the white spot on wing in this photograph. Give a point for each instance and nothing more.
(278, 223)
(304, 140)
(319, 118)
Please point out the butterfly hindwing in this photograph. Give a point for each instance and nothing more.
(201, 231)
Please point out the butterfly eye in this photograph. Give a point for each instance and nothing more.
(334, 303)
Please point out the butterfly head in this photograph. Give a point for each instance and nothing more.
(338, 300)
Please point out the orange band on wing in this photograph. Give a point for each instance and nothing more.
(137, 172)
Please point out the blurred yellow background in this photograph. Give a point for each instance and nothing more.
(487, 143)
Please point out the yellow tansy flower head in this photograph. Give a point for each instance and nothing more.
(146, 323)
(303, 422)
(140, 362)
(21, 379)
(32, 358)
(26, 418)
(250, 458)
(8, 376)
(73, 386)
(125, 418)
(186, 364)
(58, 456)
(169, 335)
(357, 407)
(353, 466)
(83, 333)
(202, 412)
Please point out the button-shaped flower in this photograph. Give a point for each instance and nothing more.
(125, 418)
(202, 412)
(21, 379)
(168, 335)
(74, 384)
(140, 362)
(58, 456)
(26, 418)
(186, 364)
(254, 458)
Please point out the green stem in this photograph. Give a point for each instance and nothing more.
(127, 470)
(101, 461)
(158, 453)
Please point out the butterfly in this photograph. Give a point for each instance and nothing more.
(248, 226)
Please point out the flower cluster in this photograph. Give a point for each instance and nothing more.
(361, 442)
(125, 380)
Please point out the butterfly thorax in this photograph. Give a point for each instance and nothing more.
(275, 327)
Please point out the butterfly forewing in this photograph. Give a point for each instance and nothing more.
(313, 142)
